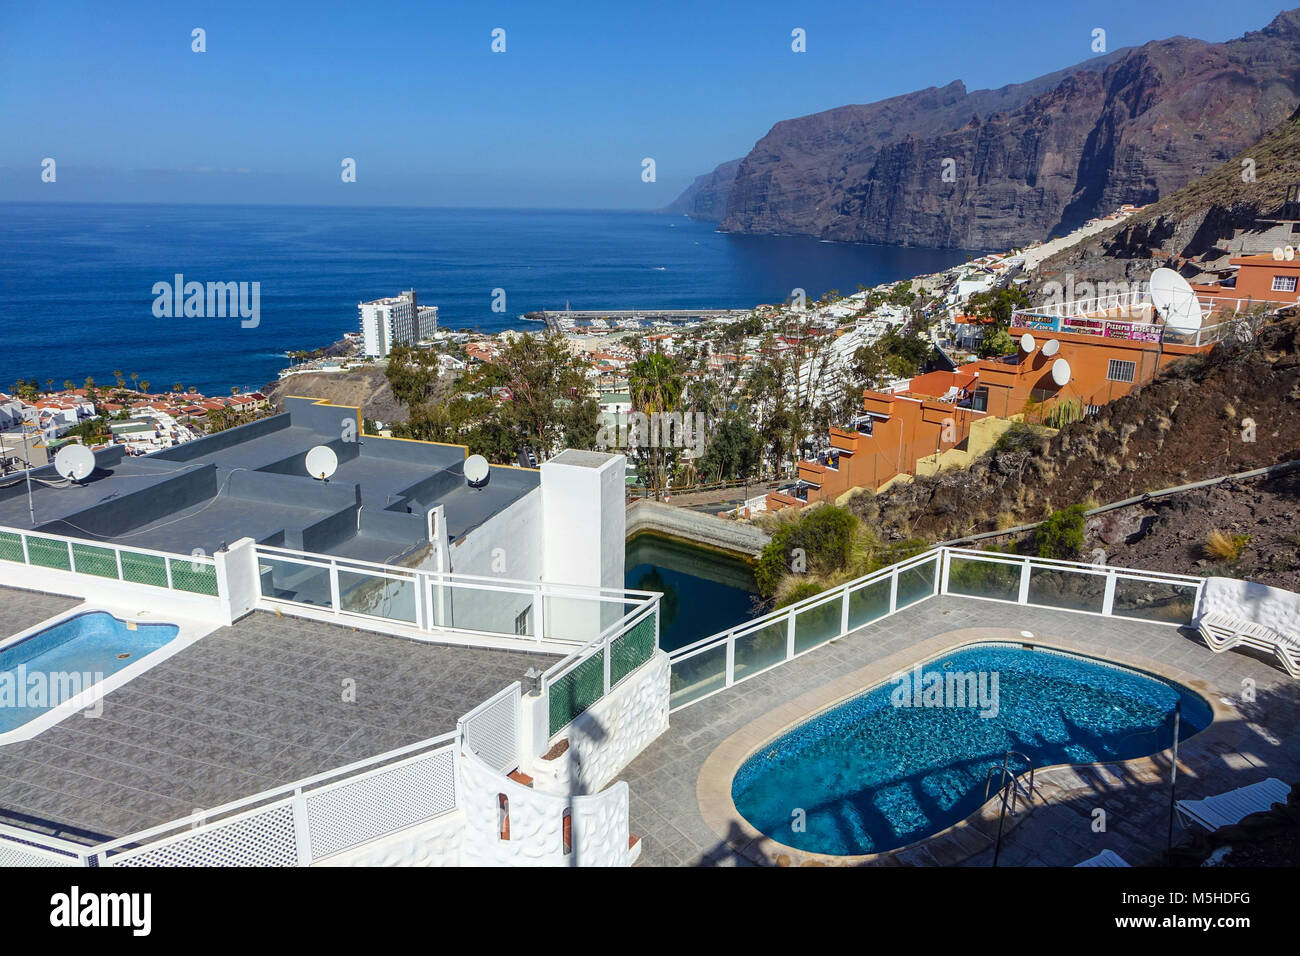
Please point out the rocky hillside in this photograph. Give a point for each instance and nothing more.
(1030, 160)
(706, 198)
(365, 388)
(1193, 223)
(1184, 426)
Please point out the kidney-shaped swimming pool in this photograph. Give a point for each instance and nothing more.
(911, 756)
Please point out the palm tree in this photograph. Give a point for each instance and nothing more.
(144, 385)
(656, 385)
(117, 374)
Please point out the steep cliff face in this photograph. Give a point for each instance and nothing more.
(706, 197)
(1025, 161)
(1199, 226)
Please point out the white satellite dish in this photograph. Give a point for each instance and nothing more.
(1277, 253)
(1175, 301)
(477, 471)
(1026, 343)
(1051, 347)
(1061, 372)
(322, 462)
(74, 462)
(1288, 253)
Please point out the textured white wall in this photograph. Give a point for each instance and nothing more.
(1249, 601)
(608, 736)
(599, 823)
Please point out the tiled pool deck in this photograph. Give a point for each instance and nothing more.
(1255, 741)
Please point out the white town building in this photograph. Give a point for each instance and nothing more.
(397, 320)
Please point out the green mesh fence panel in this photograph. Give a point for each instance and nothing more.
(89, 559)
(11, 547)
(631, 649)
(577, 690)
(48, 554)
(144, 569)
(196, 578)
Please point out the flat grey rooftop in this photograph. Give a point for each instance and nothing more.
(242, 710)
(665, 810)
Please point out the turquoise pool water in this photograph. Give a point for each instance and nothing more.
(51, 666)
(894, 764)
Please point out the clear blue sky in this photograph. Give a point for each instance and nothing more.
(412, 91)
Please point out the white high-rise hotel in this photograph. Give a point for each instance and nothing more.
(398, 320)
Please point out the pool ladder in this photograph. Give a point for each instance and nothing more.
(1010, 787)
(1009, 776)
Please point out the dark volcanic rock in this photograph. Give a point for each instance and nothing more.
(1031, 160)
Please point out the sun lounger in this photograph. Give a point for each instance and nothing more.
(1235, 805)
(1104, 858)
(1222, 633)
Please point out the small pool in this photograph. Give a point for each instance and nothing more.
(52, 666)
(911, 756)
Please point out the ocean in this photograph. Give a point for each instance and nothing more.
(76, 280)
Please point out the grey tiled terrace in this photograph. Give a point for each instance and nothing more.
(665, 811)
(20, 610)
(244, 709)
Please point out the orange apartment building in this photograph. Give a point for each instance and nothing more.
(1260, 278)
(1107, 356)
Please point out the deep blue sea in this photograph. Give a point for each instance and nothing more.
(76, 279)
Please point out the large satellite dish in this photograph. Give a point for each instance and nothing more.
(477, 471)
(1051, 347)
(1175, 301)
(322, 462)
(1026, 343)
(1061, 372)
(74, 462)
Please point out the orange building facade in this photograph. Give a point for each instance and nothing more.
(1101, 358)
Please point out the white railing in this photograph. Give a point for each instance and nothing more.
(1104, 316)
(518, 612)
(492, 729)
(586, 675)
(722, 660)
(193, 573)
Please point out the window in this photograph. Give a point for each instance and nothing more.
(1284, 283)
(521, 622)
(1121, 371)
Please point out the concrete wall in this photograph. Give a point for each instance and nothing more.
(436, 843)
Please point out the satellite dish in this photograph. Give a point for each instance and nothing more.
(1026, 342)
(1061, 372)
(322, 462)
(477, 471)
(1051, 347)
(1277, 253)
(74, 462)
(1288, 253)
(1175, 301)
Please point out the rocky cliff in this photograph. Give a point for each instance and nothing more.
(1024, 162)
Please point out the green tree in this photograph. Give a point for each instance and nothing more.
(735, 450)
(1061, 535)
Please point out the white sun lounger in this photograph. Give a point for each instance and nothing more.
(1235, 805)
(1222, 633)
(1104, 858)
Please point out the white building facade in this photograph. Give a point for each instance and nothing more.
(397, 320)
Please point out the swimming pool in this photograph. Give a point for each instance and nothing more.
(910, 757)
(41, 671)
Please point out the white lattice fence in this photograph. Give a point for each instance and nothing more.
(15, 852)
(262, 837)
(381, 802)
(491, 729)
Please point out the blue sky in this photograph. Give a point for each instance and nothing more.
(412, 91)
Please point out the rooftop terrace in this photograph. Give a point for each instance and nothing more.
(244, 709)
(251, 481)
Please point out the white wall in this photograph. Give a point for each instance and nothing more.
(436, 843)
(609, 735)
(517, 532)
